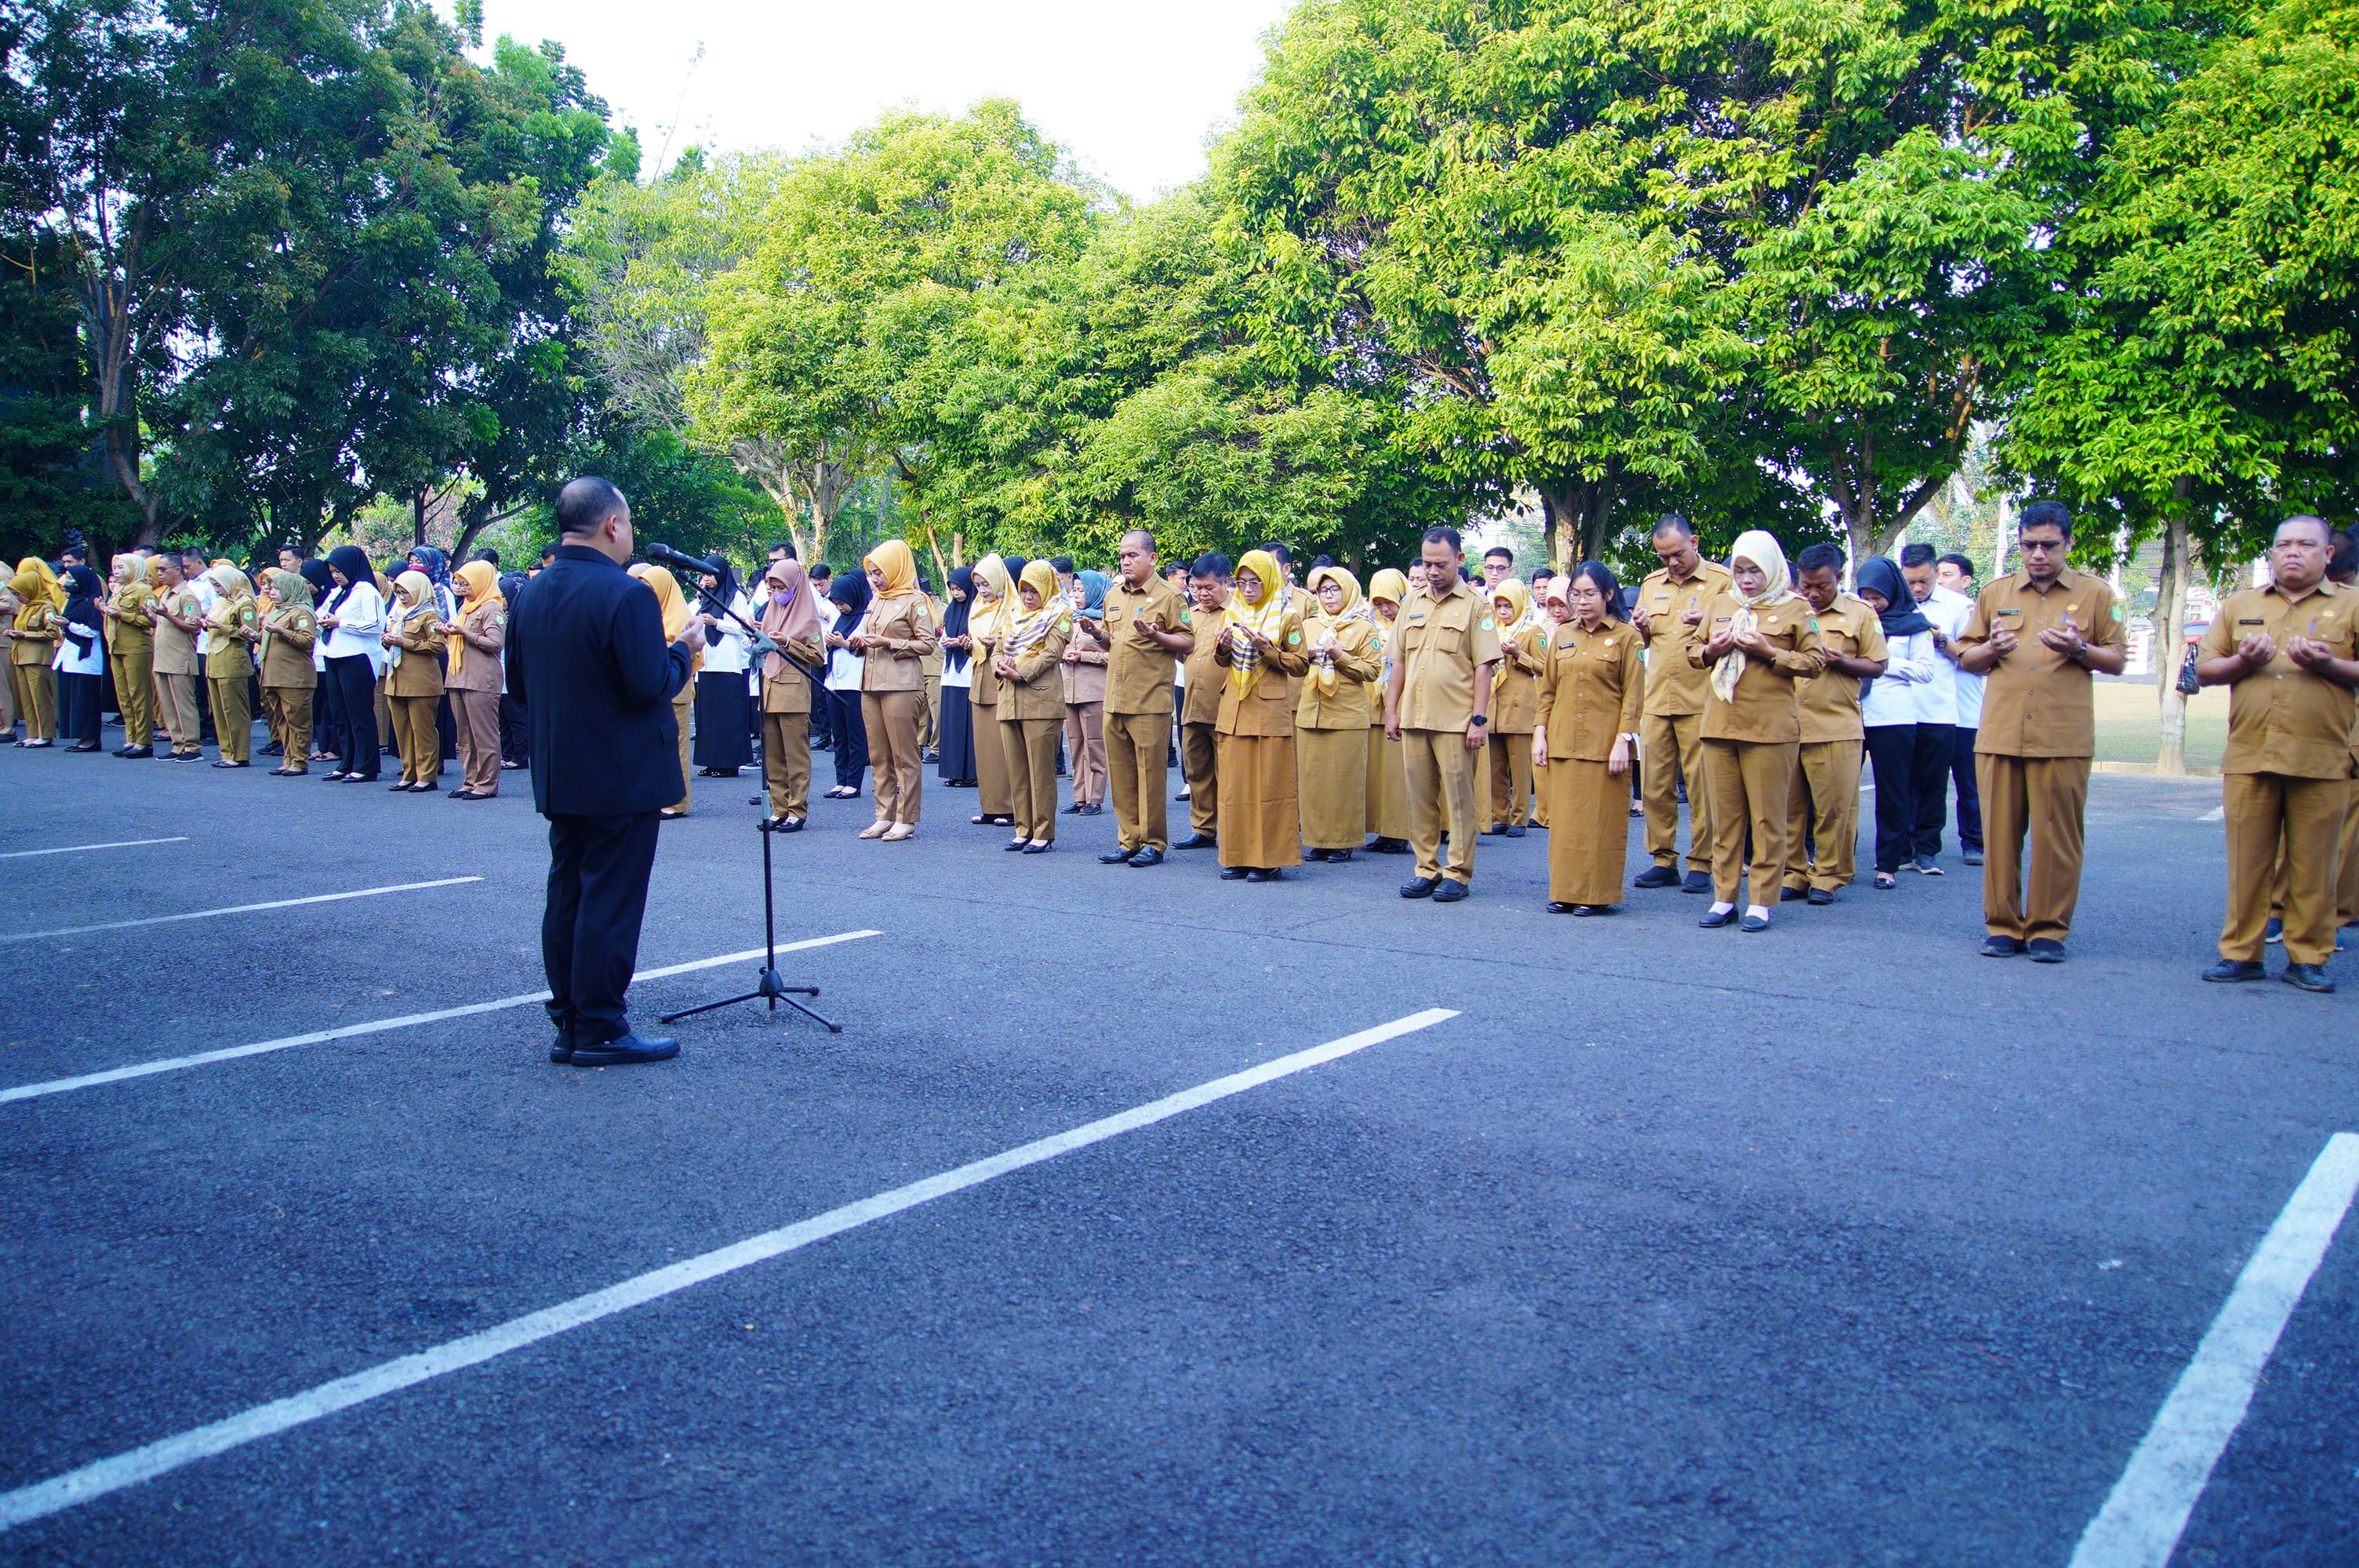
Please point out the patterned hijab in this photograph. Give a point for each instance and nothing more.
(1028, 629)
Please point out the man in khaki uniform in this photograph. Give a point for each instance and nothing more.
(1200, 707)
(1145, 628)
(2038, 634)
(2290, 652)
(1437, 704)
(174, 611)
(1824, 802)
(1671, 731)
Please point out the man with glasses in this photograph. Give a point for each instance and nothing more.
(2038, 634)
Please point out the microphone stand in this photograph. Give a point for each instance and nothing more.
(769, 986)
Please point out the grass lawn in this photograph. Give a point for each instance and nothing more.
(2129, 723)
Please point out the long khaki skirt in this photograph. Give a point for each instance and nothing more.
(1260, 827)
(1387, 787)
(992, 798)
(1589, 831)
(1331, 776)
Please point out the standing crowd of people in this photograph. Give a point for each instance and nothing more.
(1318, 718)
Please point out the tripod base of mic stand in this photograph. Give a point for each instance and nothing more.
(772, 989)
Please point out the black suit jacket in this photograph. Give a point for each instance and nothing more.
(586, 652)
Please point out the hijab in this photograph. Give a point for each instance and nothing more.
(790, 614)
(1355, 609)
(315, 576)
(991, 572)
(897, 566)
(82, 592)
(437, 567)
(954, 618)
(671, 601)
(1094, 584)
(353, 562)
(416, 590)
(294, 595)
(1028, 629)
(482, 581)
(235, 586)
(726, 584)
(1764, 552)
(37, 588)
(1390, 585)
(1900, 617)
(1267, 617)
(850, 591)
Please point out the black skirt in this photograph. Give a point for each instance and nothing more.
(955, 744)
(722, 722)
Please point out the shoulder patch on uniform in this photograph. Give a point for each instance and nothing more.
(1186, 619)
(1292, 638)
(1489, 624)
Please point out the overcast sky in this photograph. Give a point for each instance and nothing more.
(1132, 90)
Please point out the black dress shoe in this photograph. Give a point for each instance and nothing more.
(2228, 971)
(2001, 946)
(1821, 896)
(561, 1051)
(1515, 832)
(2045, 950)
(1197, 841)
(1450, 890)
(1264, 874)
(220, 764)
(792, 824)
(1072, 810)
(1039, 846)
(1232, 873)
(1016, 846)
(1419, 887)
(1558, 906)
(1754, 923)
(1597, 909)
(1337, 857)
(1792, 895)
(1493, 829)
(1971, 857)
(1115, 856)
(1147, 855)
(1697, 881)
(2307, 977)
(1713, 919)
(1656, 877)
(625, 1052)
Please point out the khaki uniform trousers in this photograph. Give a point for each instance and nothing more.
(893, 720)
(417, 735)
(1511, 781)
(1441, 799)
(683, 718)
(2307, 815)
(1199, 768)
(288, 710)
(1137, 746)
(2346, 868)
(135, 693)
(787, 763)
(2043, 797)
(176, 709)
(1824, 804)
(476, 716)
(1749, 784)
(234, 717)
(1671, 747)
(931, 735)
(37, 700)
(1031, 749)
(1085, 749)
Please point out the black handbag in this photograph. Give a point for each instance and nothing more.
(2188, 684)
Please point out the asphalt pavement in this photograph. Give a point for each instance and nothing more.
(1832, 1244)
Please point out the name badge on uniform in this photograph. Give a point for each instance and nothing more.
(2008, 612)
(1720, 620)
(2252, 621)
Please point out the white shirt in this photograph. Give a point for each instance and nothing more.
(1968, 685)
(208, 600)
(69, 661)
(1949, 611)
(843, 670)
(1897, 696)
(360, 622)
(725, 646)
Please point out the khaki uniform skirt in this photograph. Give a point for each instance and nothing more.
(1387, 787)
(1261, 826)
(1589, 830)
(1332, 786)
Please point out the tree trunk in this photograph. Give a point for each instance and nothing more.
(417, 518)
(2169, 634)
(1580, 519)
(1552, 531)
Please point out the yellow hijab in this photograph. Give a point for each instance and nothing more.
(1390, 585)
(480, 580)
(894, 562)
(1523, 616)
(984, 620)
(1266, 617)
(673, 604)
(40, 590)
(235, 592)
(1355, 609)
(1028, 629)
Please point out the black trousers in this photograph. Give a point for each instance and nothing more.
(1969, 799)
(78, 698)
(598, 870)
(351, 709)
(1892, 751)
(1932, 778)
(850, 738)
(515, 731)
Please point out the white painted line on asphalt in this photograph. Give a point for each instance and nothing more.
(2140, 1524)
(351, 1030)
(78, 849)
(112, 1475)
(236, 909)
(2217, 813)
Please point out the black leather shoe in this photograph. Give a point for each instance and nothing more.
(1337, 857)
(1197, 841)
(1265, 874)
(1039, 846)
(2045, 950)
(1419, 887)
(1232, 873)
(1450, 890)
(1493, 829)
(2001, 946)
(142, 752)
(1820, 896)
(630, 1049)
(2307, 977)
(1712, 920)
(1754, 923)
(1697, 881)
(220, 762)
(1515, 832)
(2228, 971)
(1389, 846)
(1656, 877)
(1072, 810)
(1589, 909)
(1971, 857)
(1149, 855)
(560, 1050)
(1558, 906)
(1016, 846)
(1792, 895)
(1115, 856)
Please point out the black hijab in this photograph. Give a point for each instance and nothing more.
(850, 591)
(315, 572)
(727, 594)
(1901, 618)
(955, 618)
(83, 591)
(353, 562)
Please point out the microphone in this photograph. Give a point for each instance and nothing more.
(680, 560)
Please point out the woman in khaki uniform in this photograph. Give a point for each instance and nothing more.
(1757, 637)
(413, 680)
(1593, 690)
(1514, 706)
(475, 638)
(1032, 703)
(229, 664)
(131, 650)
(288, 628)
(1387, 773)
(1330, 715)
(995, 606)
(790, 619)
(32, 640)
(1085, 697)
(1262, 647)
(674, 605)
(899, 635)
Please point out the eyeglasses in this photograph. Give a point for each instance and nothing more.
(2038, 546)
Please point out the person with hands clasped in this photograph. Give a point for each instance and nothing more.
(2289, 656)
(1260, 646)
(892, 643)
(1028, 662)
(1330, 715)
(1592, 691)
(1145, 630)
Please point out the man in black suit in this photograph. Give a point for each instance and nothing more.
(586, 647)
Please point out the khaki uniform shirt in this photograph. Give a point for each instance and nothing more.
(176, 650)
(133, 629)
(486, 632)
(789, 691)
(1830, 698)
(1766, 706)
(2283, 718)
(1205, 675)
(906, 625)
(1038, 689)
(230, 656)
(1516, 691)
(1138, 674)
(418, 674)
(1265, 707)
(1674, 686)
(2037, 702)
(1594, 688)
(36, 642)
(287, 658)
(1444, 643)
(983, 691)
(1359, 663)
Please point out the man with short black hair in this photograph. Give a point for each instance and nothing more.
(1438, 705)
(1822, 807)
(548, 553)
(1672, 730)
(290, 559)
(1955, 574)
(1200, 704)
(1498, 565)
(489, 557)
(1145, 630)
(1937, 713)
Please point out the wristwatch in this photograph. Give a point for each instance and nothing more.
(1479, 719)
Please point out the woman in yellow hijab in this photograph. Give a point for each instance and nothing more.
(33, 636)
(674, 605)
(413, 681)
(1261, 646)
(894, 645)
(476, 636)
(995, 601)
(131, 652)
(1514, 706)
(1331, 717)
(236, 624)
(1387, 766)
(1031, 642)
